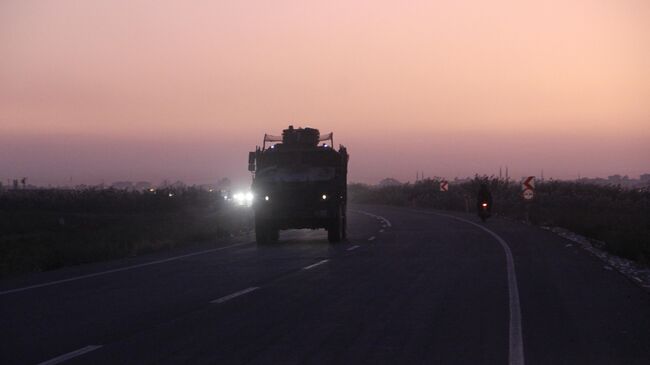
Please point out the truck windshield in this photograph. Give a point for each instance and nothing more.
(296, 174)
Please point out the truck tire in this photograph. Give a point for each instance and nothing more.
(261, 237)
(336, 228)
(274, 234)
(262, 234)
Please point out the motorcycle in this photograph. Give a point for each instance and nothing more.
(484, 211)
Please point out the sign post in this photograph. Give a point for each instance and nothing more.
(528, 188)
(528, 193)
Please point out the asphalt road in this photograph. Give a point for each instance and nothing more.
(408, 287)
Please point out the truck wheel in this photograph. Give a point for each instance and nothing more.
(262, 234)
(274, 234)
(335, 231)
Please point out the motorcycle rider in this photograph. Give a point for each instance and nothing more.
(484, 196)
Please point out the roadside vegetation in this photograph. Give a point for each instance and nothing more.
(616, 216)
(46, 229)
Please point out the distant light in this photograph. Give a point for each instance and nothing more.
(485, 204)
(171, 194)
(273, 146)
(210, 190)
(243, 198)
(325, 145)
(266, 198)
(152, 190)
(324, 197)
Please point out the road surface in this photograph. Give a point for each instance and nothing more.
(409, 286)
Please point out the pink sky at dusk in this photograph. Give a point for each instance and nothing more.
(153, 90)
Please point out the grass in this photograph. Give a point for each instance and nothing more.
(48, 229)
(620, 217)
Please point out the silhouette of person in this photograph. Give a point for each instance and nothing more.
(484, 195)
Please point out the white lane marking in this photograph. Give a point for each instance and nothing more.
(70, 355)
(314, 265)
(353, 247)
(234, 295)
(371, 238)
(384, 221)
(381, 231)
(120, 269)
(516, 350)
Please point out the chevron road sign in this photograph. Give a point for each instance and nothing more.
(528, 188)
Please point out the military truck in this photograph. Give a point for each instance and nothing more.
(299, 181)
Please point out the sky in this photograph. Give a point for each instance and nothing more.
(94, 91)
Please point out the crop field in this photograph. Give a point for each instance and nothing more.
(48, 228)
(617, 216)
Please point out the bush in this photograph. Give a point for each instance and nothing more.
(47, 229)
(620, 217)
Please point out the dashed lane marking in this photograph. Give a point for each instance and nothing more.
(314, 265)
(70, 355)
(371, 238)
(384, 221)
(234, 295)
(353, 247)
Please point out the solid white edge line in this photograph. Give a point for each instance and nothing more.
(70, 355)
(120, 269)
(516, 344)
(234, 295)
(314, 265)
(353, 247)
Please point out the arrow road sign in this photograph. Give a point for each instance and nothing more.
(444, 186)
(528, 183)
